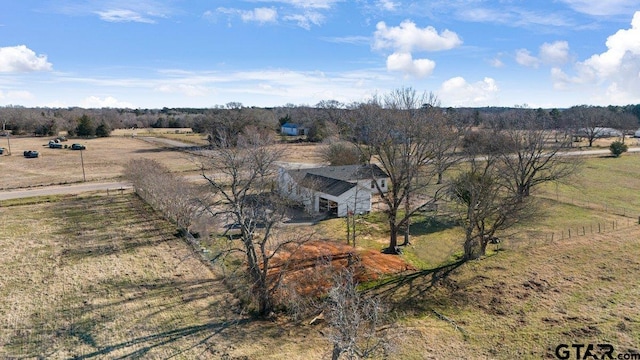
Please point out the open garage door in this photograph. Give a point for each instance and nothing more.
(328, 206)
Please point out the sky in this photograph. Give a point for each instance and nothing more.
(264, 53)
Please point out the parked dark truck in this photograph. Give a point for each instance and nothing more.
(78, 147)
(30, 154)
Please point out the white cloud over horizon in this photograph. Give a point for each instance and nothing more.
(20, 59)
(458, 92)
(405, 63)
(96, 102)
(617, 69)
(556, 53)
(408, 38)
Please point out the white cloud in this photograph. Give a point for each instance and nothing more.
(22, 59)
(554, 53)
(354, 40)
(185, 89)
(388, 5)
(458, 92)
(512, 16)
(306, 20)
(108, 102)
(123, 15)
(260, 15)
(307, 4)
(599, 7)
(524, 58)
(15, 95)
(617, 69)
(405, 63)
(496, 63)
(408, 37)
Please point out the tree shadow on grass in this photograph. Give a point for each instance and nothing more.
(408, 291)
(150, 342)
(432, 224)
(79, 325)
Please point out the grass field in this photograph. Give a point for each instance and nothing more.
(105, 158)
(104, 278)
(101, 277)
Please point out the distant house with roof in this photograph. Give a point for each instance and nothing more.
(292, 129)
(337, 190)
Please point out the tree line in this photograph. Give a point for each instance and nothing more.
(323, 120)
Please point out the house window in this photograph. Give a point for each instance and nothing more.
(382, 183)
(373, 184)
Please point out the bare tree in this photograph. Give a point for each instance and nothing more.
(530, 156)
(485, 204)
(589, 122)
(241, 177)
(445, 143)
(354, 321)
(397, 132)
(623, 122)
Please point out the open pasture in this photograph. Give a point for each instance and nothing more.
(103, 277)
(104, 159)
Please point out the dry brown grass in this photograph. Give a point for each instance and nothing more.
(104, 159)
(102, 278)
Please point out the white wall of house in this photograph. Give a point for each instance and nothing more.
(368, 184)
(357, 200)
(289, 188)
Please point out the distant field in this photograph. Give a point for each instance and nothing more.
(104, 159)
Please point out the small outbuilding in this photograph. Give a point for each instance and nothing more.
(292, 129)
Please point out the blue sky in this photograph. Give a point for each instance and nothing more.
(184, 53)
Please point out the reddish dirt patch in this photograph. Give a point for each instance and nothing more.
(310, 267)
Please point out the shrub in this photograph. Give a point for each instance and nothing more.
(617, 148)
(342, 153)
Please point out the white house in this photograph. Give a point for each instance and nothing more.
(337, 190)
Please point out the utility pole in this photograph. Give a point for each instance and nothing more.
(4, 132)
(84, 178)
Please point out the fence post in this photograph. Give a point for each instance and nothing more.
(599, 227)
(569, 233)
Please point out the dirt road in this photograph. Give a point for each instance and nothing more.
(63, 189)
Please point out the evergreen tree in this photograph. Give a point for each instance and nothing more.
(85, 126)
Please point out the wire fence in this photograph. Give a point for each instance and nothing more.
(590, 228)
